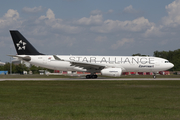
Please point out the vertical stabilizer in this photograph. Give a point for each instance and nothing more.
(23, 47)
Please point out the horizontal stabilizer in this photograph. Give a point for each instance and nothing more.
(25, 58)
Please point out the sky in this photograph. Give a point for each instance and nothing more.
(91, 27)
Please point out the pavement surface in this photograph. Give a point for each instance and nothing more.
(81, 79)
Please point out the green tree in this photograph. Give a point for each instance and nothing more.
(6, 67)
(35, 69)
(138, 54)
(1, 68)
(20, 68)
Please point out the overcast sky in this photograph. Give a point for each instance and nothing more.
(91, 27)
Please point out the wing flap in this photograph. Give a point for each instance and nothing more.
(88, 66)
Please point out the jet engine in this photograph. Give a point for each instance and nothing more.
(115, 72)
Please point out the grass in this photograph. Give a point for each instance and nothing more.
(37, 76)
(89, 100)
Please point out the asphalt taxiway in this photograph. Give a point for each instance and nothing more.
(81, 79)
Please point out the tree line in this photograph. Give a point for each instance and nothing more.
(20, 68)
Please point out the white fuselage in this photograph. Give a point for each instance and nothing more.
(126, 63)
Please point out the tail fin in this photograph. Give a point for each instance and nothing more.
(23, 47)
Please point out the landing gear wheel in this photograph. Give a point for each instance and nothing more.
(94, 76)
(91, 76)
(88, 76)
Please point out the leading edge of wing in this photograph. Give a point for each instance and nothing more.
(85, 65)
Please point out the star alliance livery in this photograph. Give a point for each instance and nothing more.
(106, 65)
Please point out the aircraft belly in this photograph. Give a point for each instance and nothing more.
(59, 65)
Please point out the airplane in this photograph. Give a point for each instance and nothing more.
(106, 65)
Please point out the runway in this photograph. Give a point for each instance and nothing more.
(83, 79)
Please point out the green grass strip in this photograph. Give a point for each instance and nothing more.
(90, 100)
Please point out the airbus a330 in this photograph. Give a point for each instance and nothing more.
(106, 65)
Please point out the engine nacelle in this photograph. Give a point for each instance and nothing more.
(115, 72)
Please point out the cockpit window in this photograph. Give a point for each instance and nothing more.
(166, 61)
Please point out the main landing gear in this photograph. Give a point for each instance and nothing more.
(91, 76)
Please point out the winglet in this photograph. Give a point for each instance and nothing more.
(57, 58)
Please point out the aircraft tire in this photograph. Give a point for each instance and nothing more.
(88, 76)
(154, 76)
(94, 76)
(91, 76)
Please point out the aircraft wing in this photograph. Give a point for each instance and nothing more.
(84, 65)
(88, 66)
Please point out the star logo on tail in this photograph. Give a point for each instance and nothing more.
(21, 45)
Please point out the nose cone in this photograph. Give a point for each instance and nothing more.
(171, 65)
(168, 66)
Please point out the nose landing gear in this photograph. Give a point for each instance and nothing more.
(154, 76)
